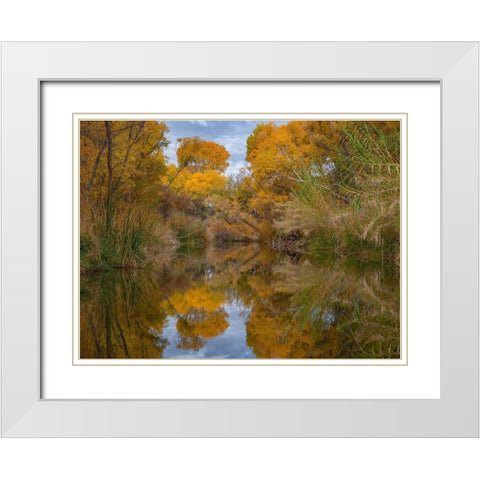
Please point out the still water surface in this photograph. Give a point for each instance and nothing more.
(241, 301)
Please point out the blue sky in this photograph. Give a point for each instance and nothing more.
(232, 134)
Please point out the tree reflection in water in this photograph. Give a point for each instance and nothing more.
(241, 302)
(120, 316)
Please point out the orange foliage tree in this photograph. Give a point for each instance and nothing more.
(121, 158)
(121, 169)
(198, 156)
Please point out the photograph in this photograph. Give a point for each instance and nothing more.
(239, 239)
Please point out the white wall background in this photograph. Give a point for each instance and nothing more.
(241, 20)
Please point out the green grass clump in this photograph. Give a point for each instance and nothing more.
(120, 242)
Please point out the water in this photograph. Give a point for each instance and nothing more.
(240, 301)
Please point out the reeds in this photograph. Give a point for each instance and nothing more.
(118, 240)
(351, 206)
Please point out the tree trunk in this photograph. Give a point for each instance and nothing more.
(108, 220)
(94, 173)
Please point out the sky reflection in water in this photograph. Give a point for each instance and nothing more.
(241, 301)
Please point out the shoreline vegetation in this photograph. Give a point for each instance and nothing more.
(297, 256)
(325, 190)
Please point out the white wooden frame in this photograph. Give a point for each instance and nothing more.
(26, 65)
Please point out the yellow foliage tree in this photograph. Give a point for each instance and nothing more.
(200, 167)
(200, 185)
(197, 155)
(276, 154)
(121, 158)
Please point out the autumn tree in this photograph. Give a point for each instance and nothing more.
(350, 201)
(201, 185)
(197, 156)
(121, 169)
(121, 158)
(275, 155)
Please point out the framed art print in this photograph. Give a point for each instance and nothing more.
(240, 248)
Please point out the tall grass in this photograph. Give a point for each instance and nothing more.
(119, 241)
(351, 205)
